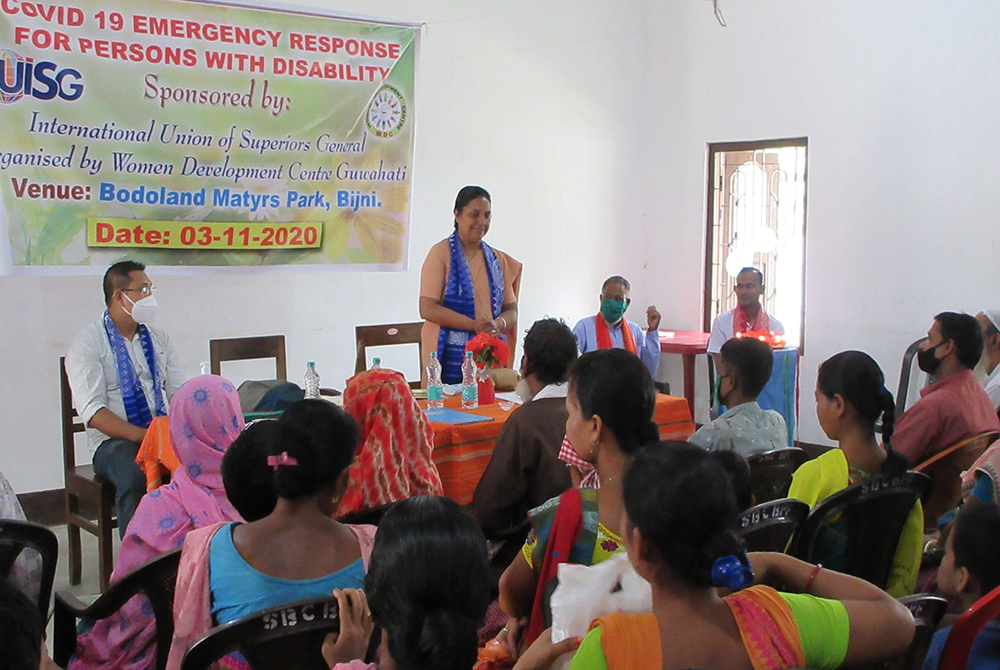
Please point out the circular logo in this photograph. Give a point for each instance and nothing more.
(387, 113)
(13, 76)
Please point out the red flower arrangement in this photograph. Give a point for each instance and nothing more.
(488, 351)
(769, 338)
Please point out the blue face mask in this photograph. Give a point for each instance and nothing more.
(613, 310)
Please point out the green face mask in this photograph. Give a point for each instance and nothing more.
(613, 310)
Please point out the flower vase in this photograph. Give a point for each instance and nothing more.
(487, 395)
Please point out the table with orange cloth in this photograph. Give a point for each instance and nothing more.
(462, 451)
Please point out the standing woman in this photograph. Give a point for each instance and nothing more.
(466, 286)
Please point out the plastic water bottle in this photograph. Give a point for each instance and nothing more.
(376, 363)
(435, 389)
(311, 381)
(470, 383)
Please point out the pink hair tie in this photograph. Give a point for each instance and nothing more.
(281, 459)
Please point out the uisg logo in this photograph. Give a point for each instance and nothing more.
(20, 76)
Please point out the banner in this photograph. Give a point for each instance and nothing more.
(194, 133)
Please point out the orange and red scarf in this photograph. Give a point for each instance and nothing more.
(604, 335)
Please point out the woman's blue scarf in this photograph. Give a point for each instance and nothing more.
(136, 408)
(459, 296)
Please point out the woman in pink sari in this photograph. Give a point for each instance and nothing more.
(205, 418)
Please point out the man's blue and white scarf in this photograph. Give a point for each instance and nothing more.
(136, 407)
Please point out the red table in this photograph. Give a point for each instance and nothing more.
(688, 344)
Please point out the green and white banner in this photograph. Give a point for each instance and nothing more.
(199, 133)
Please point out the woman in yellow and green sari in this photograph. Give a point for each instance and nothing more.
(680, 514)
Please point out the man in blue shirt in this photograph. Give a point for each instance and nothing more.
(609, 328)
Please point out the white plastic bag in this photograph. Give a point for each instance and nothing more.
(588, 592)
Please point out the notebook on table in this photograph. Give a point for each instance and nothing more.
(454, 416)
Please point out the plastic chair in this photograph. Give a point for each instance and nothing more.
(15, 537)
(958, 646)
(286, 636)
(945, 469)
(875, 512)
(904, 375)
(771, 472)
(927, 611)
(771, 526)
(85, 491)
(387, 334)
(155, 579)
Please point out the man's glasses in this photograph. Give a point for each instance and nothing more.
(144, 291)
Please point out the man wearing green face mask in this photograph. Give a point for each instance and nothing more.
(609, 328)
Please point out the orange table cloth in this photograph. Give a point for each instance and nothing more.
(462, 451)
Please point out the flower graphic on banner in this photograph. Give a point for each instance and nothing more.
(377, 230)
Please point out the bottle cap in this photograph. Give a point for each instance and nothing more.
(468, 354)
(434, 354)
(310, 364)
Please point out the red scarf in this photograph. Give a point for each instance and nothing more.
(740, 324)
(565, 529)
(604, 335)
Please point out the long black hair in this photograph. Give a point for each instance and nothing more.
(321, 438)
(428, 583)
(681, 499)
(615, 385)
(859, 380)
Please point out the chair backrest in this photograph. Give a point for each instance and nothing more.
(904, 375)
(286, 636)
(875, 512)
(945, 469)
(155, 579)
(387, 334)
(771, 526)
(15, 537)
(771, 472)
(71, 422)
(927, 611)
(249, 348)
(957, 647)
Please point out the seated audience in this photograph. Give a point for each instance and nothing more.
(230, 570)
(744, 369)
(610, 402)
(610, 328)
(394, 460)
(427, 590)
(747, 316)
(205, 418)
(680, 517)
(524, 470)
(22, 644)
(955, 406)
(988, 321)
(850, 398)
(26, 573)
(971, 569)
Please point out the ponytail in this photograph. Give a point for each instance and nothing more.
(895, 462)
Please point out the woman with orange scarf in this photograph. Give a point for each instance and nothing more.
(680, 513)
(394, 457)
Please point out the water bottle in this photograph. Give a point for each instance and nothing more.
(376, 363)
(311, 381)
(435, 389)
(470, 383)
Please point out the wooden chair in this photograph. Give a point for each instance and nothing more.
(249, 348)
(945, 469)
(875, 512)
(154, 579)
(387, 334)
(771, 472)
(771, 526)
(18, 536)
(286, 636)
(85, 492)
(958, 646)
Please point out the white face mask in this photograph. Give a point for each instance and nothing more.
(144, 310)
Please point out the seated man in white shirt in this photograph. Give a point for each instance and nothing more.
(748, 314)
(609, 328)
(990, 323)
(744, 368)
(122, 372)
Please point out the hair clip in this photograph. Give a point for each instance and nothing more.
(732, 572)
(281, 459)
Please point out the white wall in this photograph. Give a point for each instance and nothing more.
(525, 98)
(899, 101)
(588, 121)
